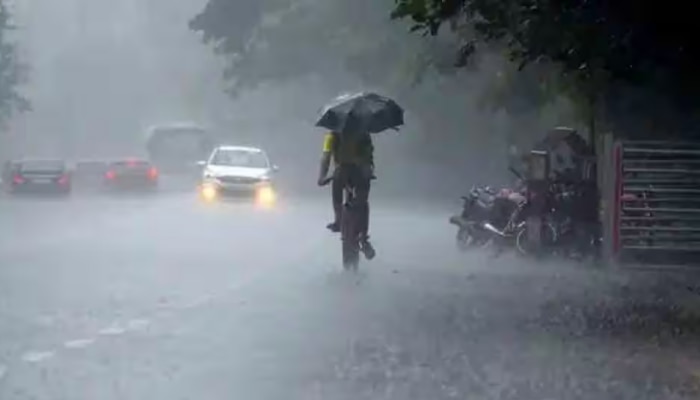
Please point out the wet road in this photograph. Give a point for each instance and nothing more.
(165, 298)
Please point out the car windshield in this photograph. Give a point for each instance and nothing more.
(130, 164)
(240, 158)
(42, 165)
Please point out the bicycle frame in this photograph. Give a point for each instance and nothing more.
(349, 234)
(348, 231)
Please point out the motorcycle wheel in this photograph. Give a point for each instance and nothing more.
(465, 240)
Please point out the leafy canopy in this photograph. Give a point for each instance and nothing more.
(625, 41)
(269, 40)
(12, 73)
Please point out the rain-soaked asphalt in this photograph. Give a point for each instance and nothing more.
(164, 298)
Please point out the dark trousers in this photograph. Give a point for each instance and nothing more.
(358, 178)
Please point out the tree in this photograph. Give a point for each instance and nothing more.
(600, 47)
(279, 40)
(12, 72)
(273, 40)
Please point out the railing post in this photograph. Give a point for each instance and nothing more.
(607, 180)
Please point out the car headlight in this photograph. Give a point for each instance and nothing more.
(209, 192)
(265, 196)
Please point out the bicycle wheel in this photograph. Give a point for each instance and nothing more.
(525, 248)
(349, 239)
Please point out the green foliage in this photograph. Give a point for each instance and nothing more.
(280, 39)
(276, 40)
(12, 73)
(229, 24)
(596, 43)
(585, 50)
(429, 75)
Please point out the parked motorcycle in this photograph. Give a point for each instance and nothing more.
(476, 211)
(508, 224)
(491, 219)
(495, 219)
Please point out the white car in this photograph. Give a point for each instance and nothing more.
(238, 170)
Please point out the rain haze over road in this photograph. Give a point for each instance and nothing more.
(103, 71)
(164, 296)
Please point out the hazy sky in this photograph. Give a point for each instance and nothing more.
(101, 70)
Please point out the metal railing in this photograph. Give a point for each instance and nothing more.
(658, 197)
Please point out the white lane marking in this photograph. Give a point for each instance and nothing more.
(198, 302)
(3, 371)
(137, 324)
(241, 284)
(166, 306)
(37, 356)
(46, 320)
(78, 343)
(112, 330)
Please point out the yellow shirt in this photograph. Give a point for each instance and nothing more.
(328, 142)
(359, 151)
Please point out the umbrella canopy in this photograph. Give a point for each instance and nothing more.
(361, 113)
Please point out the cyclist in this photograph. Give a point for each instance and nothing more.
(353, 159)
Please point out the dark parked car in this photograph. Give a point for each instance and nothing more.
(131, 174)
(39, 176)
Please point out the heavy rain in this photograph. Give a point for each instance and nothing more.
(348, 199)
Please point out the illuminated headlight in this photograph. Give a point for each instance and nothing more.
(265, 196)
(209, 191)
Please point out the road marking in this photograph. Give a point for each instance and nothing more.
(37, 356)
(46, 320)
(78, 343)
(163, 306)
(198, 302)
(137, 324)
(111, 331)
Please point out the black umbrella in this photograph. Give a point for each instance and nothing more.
(360, 113)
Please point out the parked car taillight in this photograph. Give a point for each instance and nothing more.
(153, 173)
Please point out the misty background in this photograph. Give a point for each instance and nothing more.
(101, 72)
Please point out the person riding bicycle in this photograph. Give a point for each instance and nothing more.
(353, 159)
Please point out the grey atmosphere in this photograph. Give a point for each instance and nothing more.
(162, 296)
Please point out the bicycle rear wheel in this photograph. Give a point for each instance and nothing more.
(525, 248)
(350, 239)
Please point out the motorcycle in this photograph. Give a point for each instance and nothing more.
(476, 211)
(508, 221)
(508, 226)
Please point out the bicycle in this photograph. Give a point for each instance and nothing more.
(349, 232)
